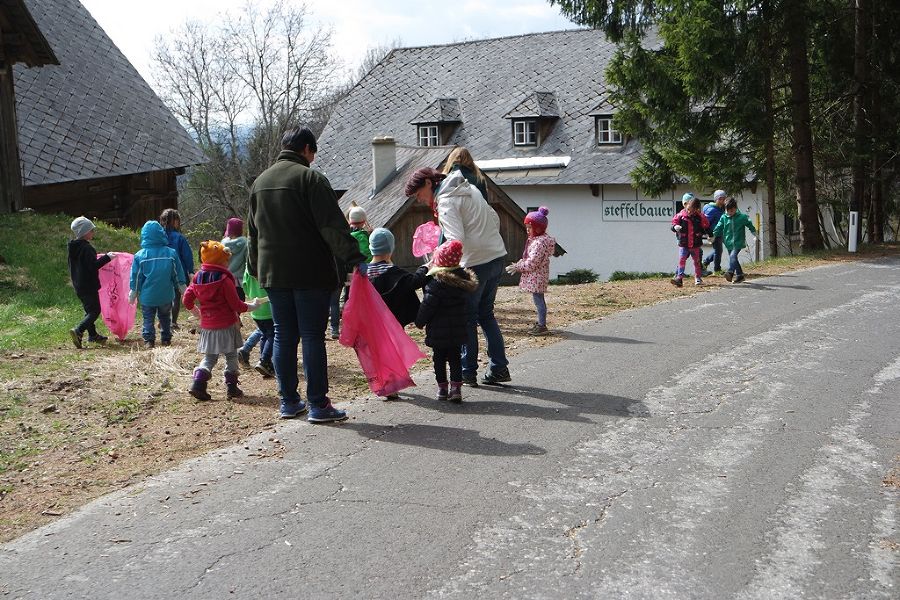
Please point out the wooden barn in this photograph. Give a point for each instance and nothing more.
(94, 139)
(21, 41)
(379, 191)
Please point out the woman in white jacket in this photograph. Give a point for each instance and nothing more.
(466, 216)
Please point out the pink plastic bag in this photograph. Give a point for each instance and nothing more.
(385, 351)
(114, 280)
(426, 238)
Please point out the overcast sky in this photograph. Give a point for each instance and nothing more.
(357, 24)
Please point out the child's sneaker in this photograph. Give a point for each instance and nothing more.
(149, 344)
(244, 357)
(326, 414)
(442, 392)
(335, 335)
(266, 369)
(455, 395)
(97, 339)
(391, 397)
(676, 281)
(698, 281)
(76, 337)
(538, 330)
(738, 279)
(729, 275)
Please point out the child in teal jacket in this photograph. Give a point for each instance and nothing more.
(731, 228)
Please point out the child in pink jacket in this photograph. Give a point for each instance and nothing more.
(689, 225)
(535, 265)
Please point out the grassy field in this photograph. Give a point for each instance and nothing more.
(37, 303)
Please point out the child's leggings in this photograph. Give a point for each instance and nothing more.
(209, 361)
(541, 307)
(683, 253)
(442, 356)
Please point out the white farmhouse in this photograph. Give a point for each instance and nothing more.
(532, 110)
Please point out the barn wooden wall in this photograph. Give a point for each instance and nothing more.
(127, 201)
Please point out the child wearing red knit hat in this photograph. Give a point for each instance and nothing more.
(443, 314)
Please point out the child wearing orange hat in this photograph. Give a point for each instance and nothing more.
(444, 316)
(215, 289)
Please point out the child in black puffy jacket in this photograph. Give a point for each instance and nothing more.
(84, 268)
(443, 314)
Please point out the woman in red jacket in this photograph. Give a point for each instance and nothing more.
(214, 289)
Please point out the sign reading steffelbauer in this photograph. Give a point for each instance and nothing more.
(638, 210)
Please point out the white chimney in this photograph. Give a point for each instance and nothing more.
(384, 159)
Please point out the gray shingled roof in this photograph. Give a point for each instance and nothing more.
(94, 115)
(489, 78)
(442, 110)
(539, 104)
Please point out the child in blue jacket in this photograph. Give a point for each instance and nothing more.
(171, 222)
(156, 274)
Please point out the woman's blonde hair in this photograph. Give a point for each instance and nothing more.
(461, 157)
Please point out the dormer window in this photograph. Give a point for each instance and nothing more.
(533, 119)
(429, 135)
(607, 135)
(525, 133)
(437, 122)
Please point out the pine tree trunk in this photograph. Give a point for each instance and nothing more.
(862, 37)
(802, 146)
(771, 221)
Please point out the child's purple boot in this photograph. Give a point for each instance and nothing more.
(455, 395)
(198, 387)
(231, 381)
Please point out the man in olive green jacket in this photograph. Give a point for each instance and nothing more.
(298, 240)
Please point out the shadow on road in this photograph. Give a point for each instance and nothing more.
(452, 439)
(575, 407)
(603, 339)
(772, 286)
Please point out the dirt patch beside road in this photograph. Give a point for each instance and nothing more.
(77, 424)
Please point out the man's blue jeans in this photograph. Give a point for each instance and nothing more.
(300, 317)
(481, 312)
(716, 256)
(165, 322)
(734, 265)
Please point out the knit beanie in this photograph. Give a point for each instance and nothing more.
(381, 241)
(448, 254)
(718, 194)
(538, 220)
(234, 228)
(81, 227)
(356, 215)
(214, 253)
(687, 198)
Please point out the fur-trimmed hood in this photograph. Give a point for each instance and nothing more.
(454, 278)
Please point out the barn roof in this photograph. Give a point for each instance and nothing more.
(22, 39)
(557, 76)
(92, 116)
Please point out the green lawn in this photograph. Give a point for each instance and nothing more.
(37, 303)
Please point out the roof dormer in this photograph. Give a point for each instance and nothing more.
(604, 133)
(533, 119)
(437, 122)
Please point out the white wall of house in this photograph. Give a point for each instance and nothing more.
(619, 229)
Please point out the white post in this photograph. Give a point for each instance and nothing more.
(852, 233)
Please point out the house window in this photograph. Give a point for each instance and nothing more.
(428, 135)
(525, 133)
(606, 134)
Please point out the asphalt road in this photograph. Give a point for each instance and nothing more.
(729, 445)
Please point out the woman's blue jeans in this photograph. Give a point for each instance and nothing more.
(481, 312)
(734, 265)
(300, 317)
